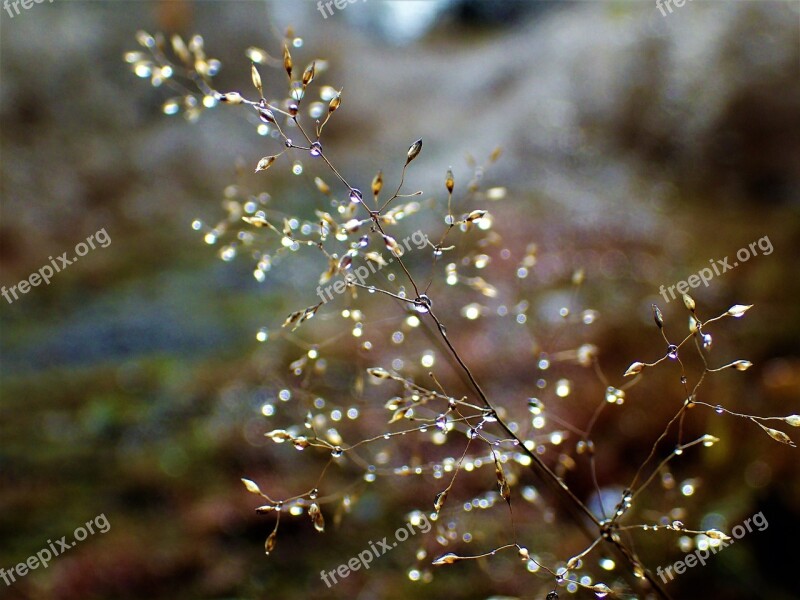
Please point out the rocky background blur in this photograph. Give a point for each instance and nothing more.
(636, 145)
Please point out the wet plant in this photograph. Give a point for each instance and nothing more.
(406, 400)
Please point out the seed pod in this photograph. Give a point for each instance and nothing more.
(658, 317)
(793, 420)
(265, 163)
(265, 114)
(256, 221)
(287, 60)
(449, 182)
(446, 559)
(251, 486)
(377, 184)
(278, 436)
(308, 74)
(316, 517)
(269, 545)
(335, 102)
(502, 483)
(475, 215)
(392, 245)
(379, 373)
(634, 369)
(414, 151)
(716, 534)
(776, 435)
(231, 98)
(376, 258)
(256, 76)
(737, 310)
(352, 225)
(689, 302)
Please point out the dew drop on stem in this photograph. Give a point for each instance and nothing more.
(423, 304)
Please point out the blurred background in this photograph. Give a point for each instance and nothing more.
(636, 146)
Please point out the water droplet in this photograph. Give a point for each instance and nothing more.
(313, 494)
(228, 253)
(422, 304)
(336, 452)
(471, 311)
(672, 351)
(316, 149)
(601, 590)
(607, 564)
(719, 410)
(589, 316)
(355, 195)
(171, 107)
